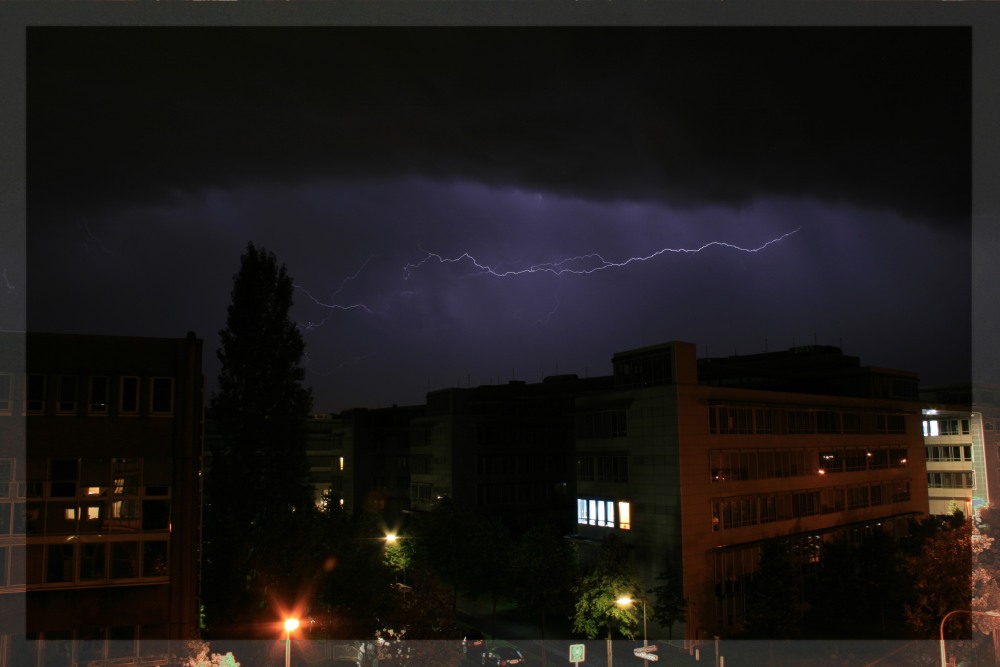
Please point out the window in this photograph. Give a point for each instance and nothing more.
(594, 512)
(5, 400)
(124, 560)
(34, 394)
(93, 560)
(420, 492)
(162, 396)
(612, 467)
(129, 396)
(60, 563)
(67, 395)
(154, 558)
(624, 515)
(97, 402)
(340, 463)
(602, 424)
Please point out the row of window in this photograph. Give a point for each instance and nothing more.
(96, 562)
(96, 395)
(936, 427)
(532, 493)
(745, 464)
(950, 480)
(724, 420)
(601, 424)
(949, 453)
(520, 464)
(118, 645)
(601, 512)
(772, 507)
(611, 467)
(96, 517)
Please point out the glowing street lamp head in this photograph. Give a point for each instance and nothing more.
(624, 601)
(390, 537)
(291, 624)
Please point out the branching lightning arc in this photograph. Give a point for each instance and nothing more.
(580, 264)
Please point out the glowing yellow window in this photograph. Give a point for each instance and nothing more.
(624, 515)
(341, 462)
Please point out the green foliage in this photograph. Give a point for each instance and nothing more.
(597, 592)
(258, 500)
(668, 598)
(200, 656)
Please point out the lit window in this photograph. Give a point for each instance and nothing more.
(594, 512)
(70, 514)
(341, 463)
(624, 515)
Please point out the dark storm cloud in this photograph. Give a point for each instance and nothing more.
(876, 118)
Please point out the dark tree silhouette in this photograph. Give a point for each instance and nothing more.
(543, 573)
(772, 596)
(258, 496)
(669, 603)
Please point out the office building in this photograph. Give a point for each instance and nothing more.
(113, 429)
(705, 460)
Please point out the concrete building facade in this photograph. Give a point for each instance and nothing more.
(112, 512)
(703, 461)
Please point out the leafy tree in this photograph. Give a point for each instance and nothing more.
(597, 592)
(941, 576)
(258, 500)
(200, 656)
(669, 603)
(543, 572)
(772, 595)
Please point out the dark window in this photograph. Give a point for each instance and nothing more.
(155, 514)
(124, 560)
(35, 394)
(129, 395)
(98, 395)
(67, 394)
(60, 566)
(5, 400)
(162, 401)
(154, 559)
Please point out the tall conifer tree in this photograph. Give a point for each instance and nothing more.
(257, 487)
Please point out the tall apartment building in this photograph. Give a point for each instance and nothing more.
(113, 430)
(702, 461)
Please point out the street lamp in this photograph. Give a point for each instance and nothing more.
(624, 601)
(944, 662)
(290, 625)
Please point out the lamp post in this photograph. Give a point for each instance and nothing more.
(391, 540)
(624, 601)
(290, 624)
(944, 661)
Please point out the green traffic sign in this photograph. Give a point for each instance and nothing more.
(577, 652)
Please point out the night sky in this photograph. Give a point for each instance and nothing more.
(473, 205)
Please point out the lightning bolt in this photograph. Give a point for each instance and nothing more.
(333, 305)
(580, 264)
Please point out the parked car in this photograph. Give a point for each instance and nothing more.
(473, 642)
(503, 656)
